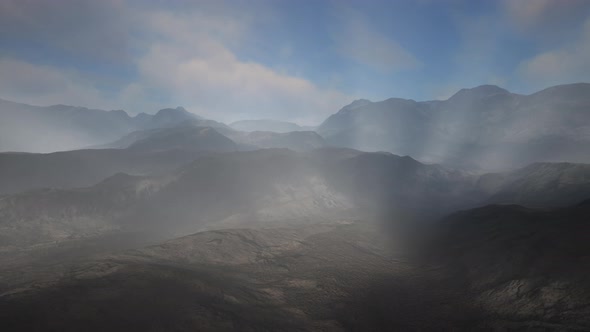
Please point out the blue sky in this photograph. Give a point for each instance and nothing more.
(297, 60)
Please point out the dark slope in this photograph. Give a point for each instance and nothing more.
(497, 267)
(486, 126)
(529, 267)
(539, 184)
(248, 280)
(381, 179)
(185, 138)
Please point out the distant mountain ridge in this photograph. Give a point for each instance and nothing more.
(139, 153)
(61, 127)
(486, 126)
(268, 125)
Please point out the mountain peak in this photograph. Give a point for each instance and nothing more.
(359, 102)
(170, 110)
(356, 104)
(478, 92)
(178, 112)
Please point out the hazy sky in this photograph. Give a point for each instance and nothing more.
(297, 60)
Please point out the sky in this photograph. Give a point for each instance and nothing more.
(293, 60)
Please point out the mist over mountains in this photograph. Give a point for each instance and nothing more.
(27, 128)
(462, 214)
(269, 125)
(485, 127)
(294, 166)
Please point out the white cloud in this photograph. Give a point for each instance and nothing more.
(484, 58)
(97, 30)
(539, 17)
(188, 58)
(192, 63)
(527, 13)
(357, 39)
(47, 85)
(566, 64)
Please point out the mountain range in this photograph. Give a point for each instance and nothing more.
(26, 128)
(486, 127)
(465, 214)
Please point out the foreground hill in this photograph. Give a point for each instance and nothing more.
(536, 262)
(327, 278)
(250, 280)
(487, 127)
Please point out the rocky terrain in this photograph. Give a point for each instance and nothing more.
(277, 187)
(536, 263)
(327, 277)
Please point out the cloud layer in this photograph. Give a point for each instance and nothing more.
(233, 60)
(183, 55)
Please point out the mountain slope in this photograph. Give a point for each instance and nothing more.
(274, 188)
(268, 125)
(146, 152)
(259, 188)
(184, 138)
(536, 262)
(539, 184)
(295, 140)
(486, 126)
(251, 280)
